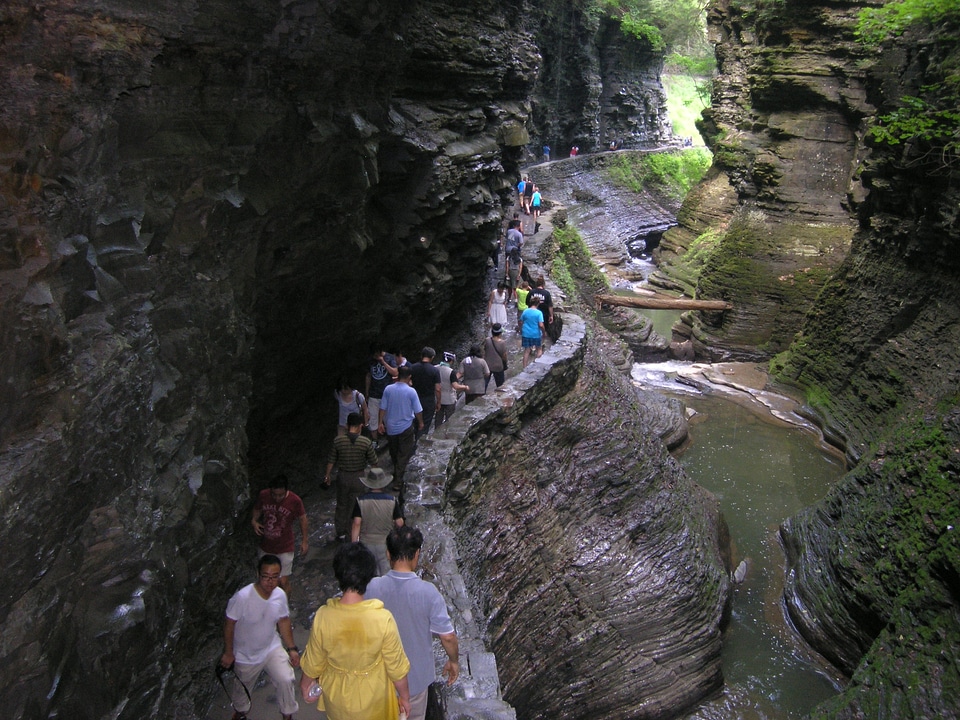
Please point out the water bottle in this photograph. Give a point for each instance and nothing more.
(314, 692)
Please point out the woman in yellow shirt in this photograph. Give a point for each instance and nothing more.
(354, 651)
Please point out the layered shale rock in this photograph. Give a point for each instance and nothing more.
(208, 209)
(874, 578)
(596, 84)
(770, 225)
(595, 559)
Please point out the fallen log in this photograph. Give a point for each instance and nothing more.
(662, 303)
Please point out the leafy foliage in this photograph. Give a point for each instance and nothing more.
(874, 25)
(925, 127)
(929, 129)
(696, 65)
(687, 96)
(672, 173)
(663, 25)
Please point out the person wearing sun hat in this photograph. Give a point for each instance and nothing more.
(375, 514)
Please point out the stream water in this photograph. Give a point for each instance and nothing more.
(761, 473)
(762, 470)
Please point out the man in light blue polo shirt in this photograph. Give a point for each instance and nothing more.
(420, 612)
(399, 409)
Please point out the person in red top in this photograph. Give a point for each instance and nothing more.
(274, 514)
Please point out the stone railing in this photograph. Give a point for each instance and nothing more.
(445, 465)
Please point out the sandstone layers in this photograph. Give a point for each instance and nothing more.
(594, 557)
(769, 225)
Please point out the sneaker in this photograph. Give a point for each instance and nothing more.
(237, 715)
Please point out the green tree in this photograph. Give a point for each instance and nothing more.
(665, 25)
(874, 25)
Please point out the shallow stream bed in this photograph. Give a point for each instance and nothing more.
(745, 448)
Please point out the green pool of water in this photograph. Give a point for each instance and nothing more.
(761, 473)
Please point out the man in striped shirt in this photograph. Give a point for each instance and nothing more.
(351, 453)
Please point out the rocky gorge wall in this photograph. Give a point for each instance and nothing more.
(840, 252)
(595, 560)
(874, 576)
(771, 223)
(207, 211)
(595, 85)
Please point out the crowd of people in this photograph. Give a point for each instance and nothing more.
(369, 655)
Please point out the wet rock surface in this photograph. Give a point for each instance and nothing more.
(565, 539)
(872, 568)
(771, 223)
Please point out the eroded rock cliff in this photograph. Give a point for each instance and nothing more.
(594, 557)
(843, 250)
(769, 226)
(875, 568)
(207, 210)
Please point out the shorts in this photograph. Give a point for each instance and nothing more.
(373, 405)
(286, 561)
(532, 342)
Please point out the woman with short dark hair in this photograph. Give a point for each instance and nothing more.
(354, 651)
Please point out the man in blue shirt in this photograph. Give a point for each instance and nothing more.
(531, 330)
(420, 612)
(399, 408)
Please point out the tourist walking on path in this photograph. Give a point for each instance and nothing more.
(381, 371)
(522, 293)
(531, 330)
(527, 196)
(274, 514)
(420, 612)
(514, 263)
(348, 401)
(536, 200)
(251, 644)
(449, 387)
(401, 417)
(351, 454)
(426, 381)
(474, 373)
(497, 304)
(375, 514)
(495, 354)
(546, 303)
(354, 652)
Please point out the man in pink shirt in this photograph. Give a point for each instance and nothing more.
(274, 515)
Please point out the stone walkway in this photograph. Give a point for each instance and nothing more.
(477, 693)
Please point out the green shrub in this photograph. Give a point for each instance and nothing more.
(874, 25)
(671, 173)
(929, 129)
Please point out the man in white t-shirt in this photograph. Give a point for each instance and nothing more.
(251, 644)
